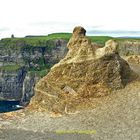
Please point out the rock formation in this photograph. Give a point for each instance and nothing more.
(85, 72)
(129, 47)
(134, 59)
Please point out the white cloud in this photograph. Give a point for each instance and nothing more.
(24, 17)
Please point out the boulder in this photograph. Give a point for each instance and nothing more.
(85, 72)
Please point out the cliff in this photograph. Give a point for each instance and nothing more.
(33, 56)
(11, 84)
(85, 72)
(24, 61)
(129, 47)
(17, 85)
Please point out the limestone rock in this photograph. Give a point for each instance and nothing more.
(110, 48)
(84, 72)
(134, 59)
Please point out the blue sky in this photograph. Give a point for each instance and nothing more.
(41, 17)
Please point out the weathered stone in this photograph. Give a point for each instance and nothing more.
(85, 71)
(129, 47)
(134, 59)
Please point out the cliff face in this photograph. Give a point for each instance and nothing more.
(129, 47)
(21, 65)
(84, 72)
(11, 84)
(31, 56)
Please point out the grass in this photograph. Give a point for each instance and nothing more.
(33, 41)
(40, 73)
(10, 67)
(45, 41)
(100, 39)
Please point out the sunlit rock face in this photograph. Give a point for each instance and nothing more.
(133, 59)
(83, 73)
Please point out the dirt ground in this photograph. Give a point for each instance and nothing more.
(114, 117)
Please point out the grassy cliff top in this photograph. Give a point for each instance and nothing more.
(45, 41)
(10, 67)
(33, 41)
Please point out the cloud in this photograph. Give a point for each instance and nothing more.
(60, 26)
(114, 32)
(2, 29)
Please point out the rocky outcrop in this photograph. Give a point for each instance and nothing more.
(129, 47)
(85, 72)
(134, 59)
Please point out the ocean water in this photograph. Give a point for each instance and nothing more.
(7, 106)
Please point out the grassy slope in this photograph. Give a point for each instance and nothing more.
(10, 67)
(33, 41)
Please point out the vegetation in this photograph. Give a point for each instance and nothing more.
(100, 39)
(10, 67)
(40, 67)
(33, 41)
(46, 41)
(40, 73)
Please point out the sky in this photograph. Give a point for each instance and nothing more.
(42, 17)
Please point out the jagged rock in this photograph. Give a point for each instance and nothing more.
(129, 47)
(84, 72)
(134, 59)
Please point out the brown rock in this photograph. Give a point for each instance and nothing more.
(79, 31)
(84, 72)
(134, 59)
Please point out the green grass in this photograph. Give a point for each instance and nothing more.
(44, 41)
(36, 41)
(10, 67)
(100, 39)
(40, 73)
(129, 39)
(48, 40)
